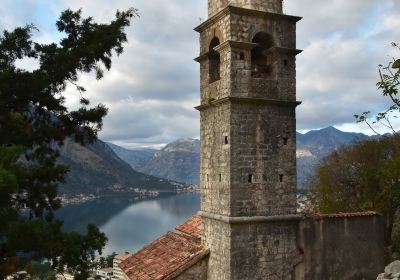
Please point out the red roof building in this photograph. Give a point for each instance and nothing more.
(165, 258)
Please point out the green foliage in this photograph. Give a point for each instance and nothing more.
(396, 64)
(362, 177)
(39, 270)
(105, 262)
(388, 85)
(34, 122)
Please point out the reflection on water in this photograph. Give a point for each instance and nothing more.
(128, 224)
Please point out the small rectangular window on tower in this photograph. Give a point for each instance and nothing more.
(220, 177)
(285, 62)
(281, 178)
(250, 179)
(285, 141)
(226, 141)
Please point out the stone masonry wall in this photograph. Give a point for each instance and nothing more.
(216, 235)
(273, 6)
(248, 147)
(262, 251)
(219, 88)
(235, 68)
(263, 146)
(214, 162)
(341, 248)
(282, 85)
(196, 272)
(244, 27)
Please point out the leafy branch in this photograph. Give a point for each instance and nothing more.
(388, 85)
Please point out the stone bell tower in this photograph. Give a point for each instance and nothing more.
(248, 139)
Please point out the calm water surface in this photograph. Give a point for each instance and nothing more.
(129, 224)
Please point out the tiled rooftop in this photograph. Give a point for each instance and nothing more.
(123, 257)
(163, 257)
(344, 215)
(191, 226)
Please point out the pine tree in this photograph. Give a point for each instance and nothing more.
(34, 122)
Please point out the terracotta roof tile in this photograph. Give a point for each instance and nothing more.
(191, 226)
(162, 257)
(123, 257)
(320, 216)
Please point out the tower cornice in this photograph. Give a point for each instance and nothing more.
(235, 44)
(249, 100)
(248, 46)
(252, 219)
(281, 50)
(245, 12)
(228, 43)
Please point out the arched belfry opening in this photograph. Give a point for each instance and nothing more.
(261, 62)
(214, 61)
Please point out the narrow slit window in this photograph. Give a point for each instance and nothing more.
(226, 140)
(285, 62)
(220, 177)
(250, 178)
(281, 178)
(285, 141)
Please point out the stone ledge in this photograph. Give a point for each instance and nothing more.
(281, 50)
(236, 45)
(202, 57)
(229, 43)
(248, 46)
(255, 219)
(244, 12)
(249, 100)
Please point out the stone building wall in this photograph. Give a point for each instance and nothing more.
(263, 147)
(196, 272)
(237, 60)
(263, 251)
(282, 84)
(214, 162)
(248, 132)
(244, 25)
(221, 88)
(341, 248)
(216, 235)
(273, 6)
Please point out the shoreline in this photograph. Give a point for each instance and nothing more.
(136, 194)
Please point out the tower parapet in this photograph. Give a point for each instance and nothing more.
(272, 6)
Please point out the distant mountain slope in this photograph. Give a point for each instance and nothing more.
(96, 169)
(179, 160)
(323, 141)
(134, 156)
(315, 144)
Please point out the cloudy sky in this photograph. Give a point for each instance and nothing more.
(154, 85)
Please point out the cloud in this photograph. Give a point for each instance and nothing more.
(153, 86)
(343, 42)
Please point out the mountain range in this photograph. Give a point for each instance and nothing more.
(96, 169)
(315, 144)
(180, 160)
